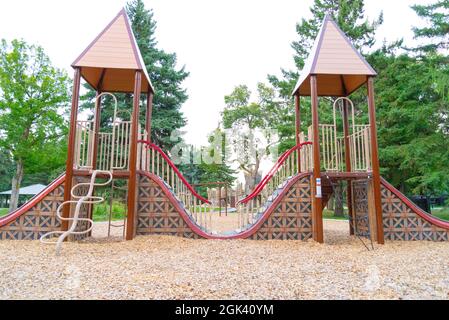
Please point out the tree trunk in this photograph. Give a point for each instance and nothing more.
(16, 181)
(331, 203)
(338, 196)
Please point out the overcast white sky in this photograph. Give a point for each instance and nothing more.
(221, 43)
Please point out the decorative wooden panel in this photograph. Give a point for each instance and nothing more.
(37, 221)
(292, 218)
(360, 207)
(402, 223)
(156, 214)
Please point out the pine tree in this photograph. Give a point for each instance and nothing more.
(218, 172)
(413, 146)
(166, 78)
(437, 31)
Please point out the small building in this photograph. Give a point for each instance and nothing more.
(25, 194)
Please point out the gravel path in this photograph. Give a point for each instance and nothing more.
(176, 268)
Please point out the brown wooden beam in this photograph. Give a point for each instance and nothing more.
(117, 174)
(375, 162)
(132, 184)
(317, 209)
(298, 127)
(347, 175)
(97, 129)
(149, 113)
(71, 147)
(348, 161)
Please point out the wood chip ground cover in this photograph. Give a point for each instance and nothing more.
(154, 267)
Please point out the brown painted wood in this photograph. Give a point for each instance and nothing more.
(132, 184)
(71, 147)
(97, 130)
(335, 176)
(117, 174)
(298, 127)
(348, 161)
(149, 114)
(317, 209)
(375, 161)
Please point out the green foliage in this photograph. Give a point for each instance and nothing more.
(437, 30)
(166, 78)
(217, 172)
(441, 213)
(33, 95)
(6, 170)
(101, 211)
(413, 150)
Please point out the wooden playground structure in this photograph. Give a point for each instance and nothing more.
(287, 204)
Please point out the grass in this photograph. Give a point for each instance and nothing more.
(101, 211)
(442, 213)
(328, 214)
(3, 212)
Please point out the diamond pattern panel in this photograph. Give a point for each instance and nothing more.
(360, 207)
(38, 220)
(156, 215)
(292, 218)
(402, 223)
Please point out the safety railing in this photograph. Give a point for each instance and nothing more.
(360, 150)
(306, 156)
(84, 143)
(104, 151)
(284, 169)
(332, 148)
(152, 159)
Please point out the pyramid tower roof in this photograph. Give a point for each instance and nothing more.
(339, 67)
(110, 61)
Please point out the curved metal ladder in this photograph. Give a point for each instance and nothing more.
(79, 201)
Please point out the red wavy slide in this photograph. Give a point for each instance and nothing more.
(33, 202)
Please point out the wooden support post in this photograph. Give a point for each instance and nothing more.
(317, 208)
(132, 184)
(71, 147)
(298, 127)
(96, 130)
(149, 113)
(375, 162)
(348, 163)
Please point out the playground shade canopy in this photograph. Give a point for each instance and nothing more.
(28, 191)
(339, 67)
(109, 63)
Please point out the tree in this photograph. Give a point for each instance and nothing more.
(413, 146)
(437, 31)
(249, 120)
(32, 93)
(6, 170)
(217, 171)
(167, 80)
